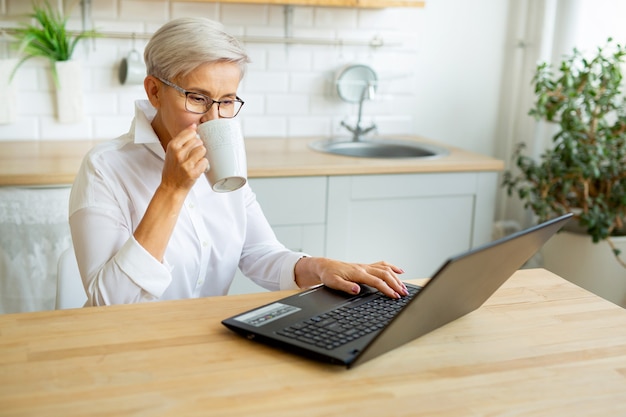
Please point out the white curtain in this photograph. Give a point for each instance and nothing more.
(539, 31)
(34, 231)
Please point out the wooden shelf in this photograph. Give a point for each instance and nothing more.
(326, 3)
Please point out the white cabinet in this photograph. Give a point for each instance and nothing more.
(415, 221)
(296, 209)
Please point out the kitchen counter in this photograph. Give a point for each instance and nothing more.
(37, 163)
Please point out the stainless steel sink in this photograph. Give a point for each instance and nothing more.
(378, 148)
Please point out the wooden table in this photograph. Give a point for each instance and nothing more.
(539, 347)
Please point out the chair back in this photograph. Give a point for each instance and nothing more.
(70, 290)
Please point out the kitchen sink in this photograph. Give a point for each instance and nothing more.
(378, 148)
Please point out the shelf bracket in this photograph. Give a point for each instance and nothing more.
(288, 28)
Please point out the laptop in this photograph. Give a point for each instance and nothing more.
(336, 327)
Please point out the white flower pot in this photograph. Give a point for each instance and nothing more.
(591, 266)
(69, 91)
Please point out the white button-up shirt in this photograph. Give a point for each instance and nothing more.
(215, 233)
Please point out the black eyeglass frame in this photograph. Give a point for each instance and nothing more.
(209, 99)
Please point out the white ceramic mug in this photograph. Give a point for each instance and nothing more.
(132, 69)
(226, 154)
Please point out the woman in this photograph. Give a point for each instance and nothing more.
(145, 223)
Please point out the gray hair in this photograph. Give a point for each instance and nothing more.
(182, 45)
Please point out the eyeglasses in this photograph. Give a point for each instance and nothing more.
(199, 103)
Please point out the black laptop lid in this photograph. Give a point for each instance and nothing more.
(460, 286)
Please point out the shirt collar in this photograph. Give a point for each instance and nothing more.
(142, 130)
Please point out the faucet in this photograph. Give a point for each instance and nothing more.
(369, 91)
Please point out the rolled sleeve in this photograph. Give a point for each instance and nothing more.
(142, 268)
(287, 272)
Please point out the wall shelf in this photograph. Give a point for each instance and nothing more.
(380, 4)
(375, 42)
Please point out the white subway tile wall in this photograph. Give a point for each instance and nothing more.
(289, 88)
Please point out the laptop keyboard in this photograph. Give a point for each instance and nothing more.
(349, 322)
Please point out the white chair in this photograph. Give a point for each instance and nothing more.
(70, 290)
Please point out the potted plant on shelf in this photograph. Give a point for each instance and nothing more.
(48, 38)
(584, 171)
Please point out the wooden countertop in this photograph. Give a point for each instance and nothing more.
(35, 163)
(540, 346)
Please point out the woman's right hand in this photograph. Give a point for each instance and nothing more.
(184, 160)
(184, 163)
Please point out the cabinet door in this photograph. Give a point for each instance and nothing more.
(292, 200)
(296, 209)
(414, 221)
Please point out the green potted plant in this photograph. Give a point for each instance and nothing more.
(48, 38)
(584, 171)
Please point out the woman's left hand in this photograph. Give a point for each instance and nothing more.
(347, 276)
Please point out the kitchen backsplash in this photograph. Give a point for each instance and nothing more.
(289, 88)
